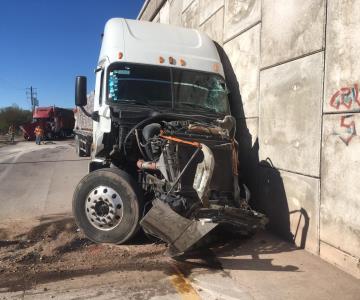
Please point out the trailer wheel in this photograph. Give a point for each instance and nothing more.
(107, 206)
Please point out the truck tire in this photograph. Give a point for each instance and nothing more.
(107, 206)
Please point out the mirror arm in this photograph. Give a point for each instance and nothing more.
(85, 112)
(94, 116)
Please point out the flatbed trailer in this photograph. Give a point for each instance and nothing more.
(83, 128)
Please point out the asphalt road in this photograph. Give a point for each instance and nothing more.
(36, 185)
(36, 181)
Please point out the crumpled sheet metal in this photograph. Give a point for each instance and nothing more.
(180, 233)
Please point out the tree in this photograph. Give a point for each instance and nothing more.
(13, 115)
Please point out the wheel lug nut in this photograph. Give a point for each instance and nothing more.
(109, 217)
(111, 211)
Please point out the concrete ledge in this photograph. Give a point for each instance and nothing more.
(268, 268)
(344, 261)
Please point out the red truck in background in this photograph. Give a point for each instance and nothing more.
(57, 123)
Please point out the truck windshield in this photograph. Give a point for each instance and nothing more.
(200, 91)
(167, 87)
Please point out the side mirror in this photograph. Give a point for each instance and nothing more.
(80, 91)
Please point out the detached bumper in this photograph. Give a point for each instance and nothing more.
(181, 234)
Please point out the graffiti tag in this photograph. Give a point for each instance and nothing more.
(347, 97)
(350, 129)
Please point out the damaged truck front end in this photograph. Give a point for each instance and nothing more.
(164, 156)
(195, 188)
(183, 172)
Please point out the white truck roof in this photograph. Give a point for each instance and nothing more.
(153, 43)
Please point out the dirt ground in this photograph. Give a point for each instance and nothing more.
(50, 258)
(56, 250)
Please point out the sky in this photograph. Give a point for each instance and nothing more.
(46, 43)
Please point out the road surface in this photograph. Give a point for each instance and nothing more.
(38, 180)
(44, 256)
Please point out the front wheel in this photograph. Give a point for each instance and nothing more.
(107, 206)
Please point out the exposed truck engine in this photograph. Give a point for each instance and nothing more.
(164, 156)
(184, 175)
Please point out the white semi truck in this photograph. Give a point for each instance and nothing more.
(163, 154)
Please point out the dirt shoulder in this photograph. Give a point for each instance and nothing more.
(54, 250)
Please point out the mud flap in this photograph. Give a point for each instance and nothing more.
(180, 233)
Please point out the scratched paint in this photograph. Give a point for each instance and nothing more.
(347, 97)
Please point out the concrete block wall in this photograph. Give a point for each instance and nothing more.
(293, 71)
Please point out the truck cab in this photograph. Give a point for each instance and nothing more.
(164, 149)
(148, 67)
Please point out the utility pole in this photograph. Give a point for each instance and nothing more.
(31, 94)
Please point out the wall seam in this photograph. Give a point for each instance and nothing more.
(289, 171)
(341, 112)
(212, 14)
(156, 11)
(337, 248)
(223, 25)
(187, 7)
(322, 122)
(259, 79)
(241, 32)
(292, 59)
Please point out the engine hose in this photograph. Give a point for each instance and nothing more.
(138, 143)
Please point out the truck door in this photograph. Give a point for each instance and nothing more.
(104, 124)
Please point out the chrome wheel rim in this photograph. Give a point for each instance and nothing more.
(104, 208)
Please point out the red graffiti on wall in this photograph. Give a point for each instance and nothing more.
(347, 97)
(350, 128)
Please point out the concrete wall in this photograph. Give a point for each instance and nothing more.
(294, 74)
